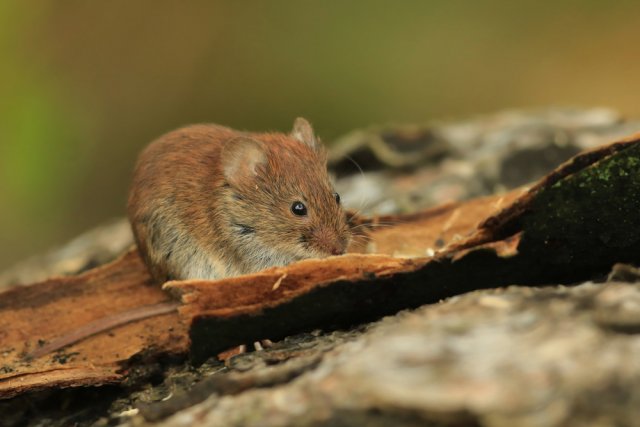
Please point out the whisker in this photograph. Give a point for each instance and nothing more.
(355, 213)
(361, 237)
(355, 163)
(386, 222)
(362, 200)
(371, 225)
(362, 240)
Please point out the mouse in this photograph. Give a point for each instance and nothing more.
(209, 202)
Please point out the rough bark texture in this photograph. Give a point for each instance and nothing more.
(512, 357)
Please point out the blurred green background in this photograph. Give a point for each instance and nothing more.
(85, 85)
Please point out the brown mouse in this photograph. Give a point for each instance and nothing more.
(209, 202)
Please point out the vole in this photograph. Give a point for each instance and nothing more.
(209, 202)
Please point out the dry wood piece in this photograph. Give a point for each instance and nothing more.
(36, 315)
(574, 224)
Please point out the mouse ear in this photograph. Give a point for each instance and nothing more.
(303, 132)
(241, 158)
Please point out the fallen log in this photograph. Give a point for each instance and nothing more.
(572, 225)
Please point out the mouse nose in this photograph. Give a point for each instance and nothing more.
(328, 242)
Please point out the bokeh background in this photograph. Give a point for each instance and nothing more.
(85, 85)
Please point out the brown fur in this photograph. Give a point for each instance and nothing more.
(210, 202)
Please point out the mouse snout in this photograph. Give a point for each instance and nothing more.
(328, 242)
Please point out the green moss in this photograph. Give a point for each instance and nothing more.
(589, 216)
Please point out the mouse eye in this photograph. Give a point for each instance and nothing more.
(337, 196)
(298, 208)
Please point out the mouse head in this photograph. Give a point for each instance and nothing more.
(279, 199)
